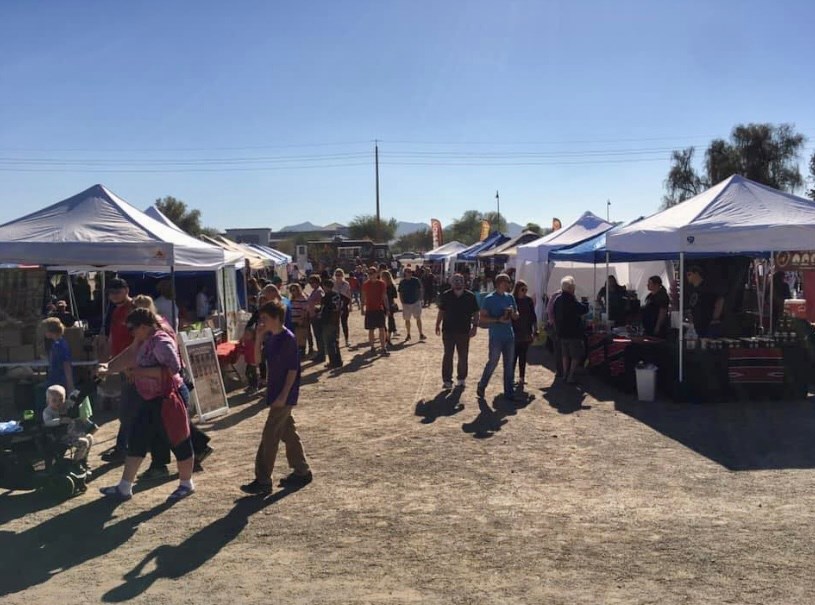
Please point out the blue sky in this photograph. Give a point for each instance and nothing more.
(264, 113)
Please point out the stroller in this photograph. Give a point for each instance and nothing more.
(40, 458)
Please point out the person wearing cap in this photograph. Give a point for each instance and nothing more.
(61, 313)
(498, 312)
(457, 323)
(410, 295)
(119, 339)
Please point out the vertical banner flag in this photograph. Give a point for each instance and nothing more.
(437, 232)
(485, 230)
(556, 224)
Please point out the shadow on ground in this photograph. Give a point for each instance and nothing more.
(175, 562)
(446, 403)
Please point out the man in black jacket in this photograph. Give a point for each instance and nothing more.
(569, 314)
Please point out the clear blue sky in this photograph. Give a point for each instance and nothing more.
(264, 113)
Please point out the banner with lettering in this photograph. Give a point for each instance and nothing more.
(437, 232)
(485, 230)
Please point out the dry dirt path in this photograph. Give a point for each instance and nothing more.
(571, 499)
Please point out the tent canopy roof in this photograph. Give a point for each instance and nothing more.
(97, 228)
(736, 216)
(445, 251)
(587, 226)
(471, 254)
(503, 249)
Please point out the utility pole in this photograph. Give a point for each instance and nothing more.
(376, 163)
(498, 203)
(608, 211)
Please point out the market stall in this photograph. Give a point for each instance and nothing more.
(442, 259)
(727, 340)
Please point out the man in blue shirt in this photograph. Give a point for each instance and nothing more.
(410, 294)
(497, 313)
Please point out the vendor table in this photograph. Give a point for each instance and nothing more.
(43, 363)
(780, 372)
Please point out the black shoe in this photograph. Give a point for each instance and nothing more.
(154, 473)
(295, 480)
(256, 488)
(422, 337)
(319, 360)
(114, 455)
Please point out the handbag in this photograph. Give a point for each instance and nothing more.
(173, 412)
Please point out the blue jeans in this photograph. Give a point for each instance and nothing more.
(498, 349)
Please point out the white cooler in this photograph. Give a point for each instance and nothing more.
(646, 383)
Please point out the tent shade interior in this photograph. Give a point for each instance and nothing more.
(96, 228)
(471, 254)
(502, 249)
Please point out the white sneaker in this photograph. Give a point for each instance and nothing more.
(461, 383)
(448, 384)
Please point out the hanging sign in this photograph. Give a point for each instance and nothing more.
(795, 260)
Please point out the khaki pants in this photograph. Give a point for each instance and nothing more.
(279, 427)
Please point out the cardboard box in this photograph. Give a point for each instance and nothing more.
(75, 337)
(21, 354)
(11, 336)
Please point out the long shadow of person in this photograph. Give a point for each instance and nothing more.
(487, 423)
(356, 363)
(174, 562)
(566, 399)
(83, 533)
(446, 403)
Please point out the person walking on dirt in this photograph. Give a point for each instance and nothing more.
(410, 295)
(498, 312)
(282, 359)
(374, 308)
(457, 322)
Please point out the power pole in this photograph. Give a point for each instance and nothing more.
(376, 163)
(608, 211)
(498, 203)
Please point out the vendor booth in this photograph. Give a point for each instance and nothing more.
(443, 258)
(532, 260)
(731, 338)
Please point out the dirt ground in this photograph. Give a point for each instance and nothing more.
(581, 496)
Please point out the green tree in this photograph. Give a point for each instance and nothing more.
(765, 153)
(186, 219)
(812, 175)
(420, 241)
(467, 229)
(364, 227)
(534, 228)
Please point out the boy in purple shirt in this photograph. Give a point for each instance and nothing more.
(282, 359)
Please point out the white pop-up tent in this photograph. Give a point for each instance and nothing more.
(532, 259)
(445, 254)
(96, 228)
(737, 216)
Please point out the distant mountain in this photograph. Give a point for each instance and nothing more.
(514, 229)
(406, 228)
(302, 227)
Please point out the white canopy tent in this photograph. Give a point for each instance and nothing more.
(96, 228)
(532, 259)
(445, 254)
(736, 216)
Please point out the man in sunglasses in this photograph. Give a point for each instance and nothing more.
(498, 312)
(457, 322)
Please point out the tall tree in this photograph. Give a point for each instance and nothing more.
(534, 228)
(467, 229)
(186, 219)
(364, 227)
(765, 153)
(812, 175)
(419, 241)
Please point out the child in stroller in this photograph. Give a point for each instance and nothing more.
(78, 434)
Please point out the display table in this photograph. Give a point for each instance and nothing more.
(228, 355)
(43, 363)
(711, 375)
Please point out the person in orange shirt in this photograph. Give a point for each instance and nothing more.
(375, 308)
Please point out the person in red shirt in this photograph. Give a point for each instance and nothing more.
(119, 339)
(375, 308)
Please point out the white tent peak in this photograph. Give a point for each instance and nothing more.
(98, 228)
(154, 212)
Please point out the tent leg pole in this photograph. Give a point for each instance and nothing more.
(771, 273)
(173, 299)
(681, 316)
(103, 302)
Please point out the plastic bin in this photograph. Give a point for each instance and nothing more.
(646, 383)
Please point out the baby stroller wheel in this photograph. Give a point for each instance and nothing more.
(61, 486)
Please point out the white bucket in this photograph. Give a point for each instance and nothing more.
(646, 383)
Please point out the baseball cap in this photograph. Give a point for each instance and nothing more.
(117, 283)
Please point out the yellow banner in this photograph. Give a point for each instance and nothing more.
(485, 230)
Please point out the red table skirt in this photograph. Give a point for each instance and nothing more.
(228, 353)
